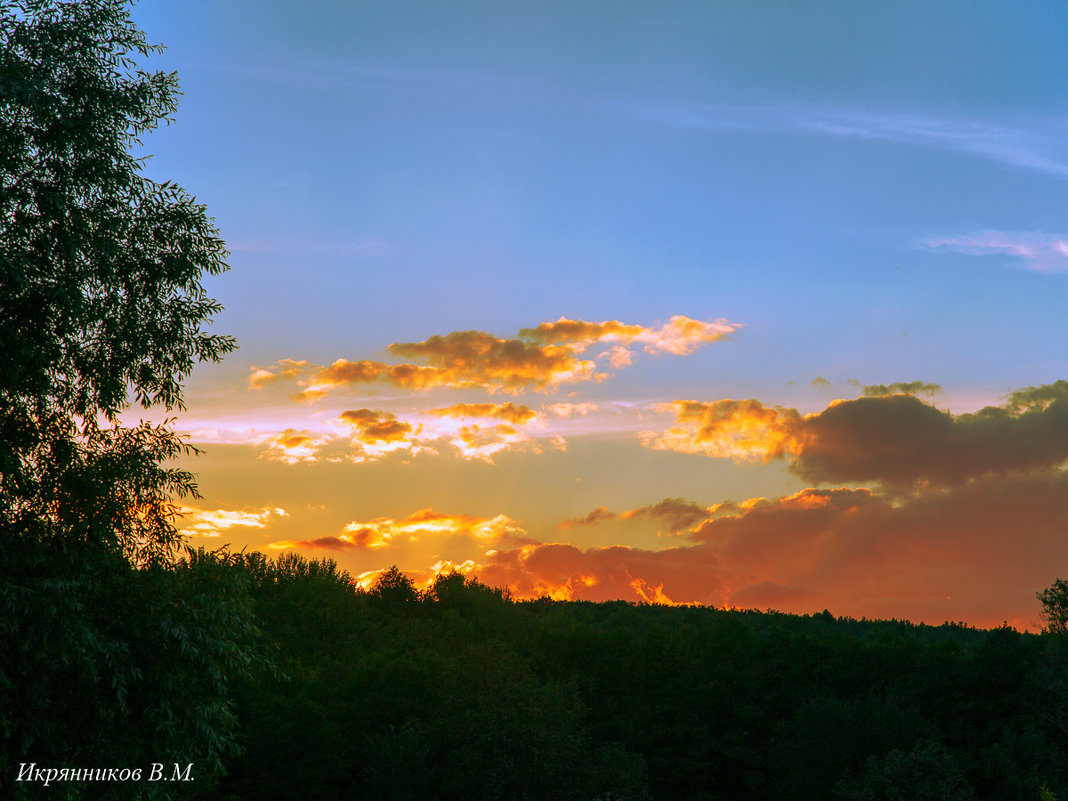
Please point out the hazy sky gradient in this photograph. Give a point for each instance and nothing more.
(850, 195)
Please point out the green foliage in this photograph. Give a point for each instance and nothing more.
(112, 648)
(465, 693)
(112, 665)
(926, 772)
(394, 590)
(100, 276)
(1054, 599)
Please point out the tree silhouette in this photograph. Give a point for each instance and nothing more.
(1054, 600)
(101, 300)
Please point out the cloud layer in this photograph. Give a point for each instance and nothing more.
(539, 358)
(896, 439)
(1040, 252)
(979, 551)
(421, 525)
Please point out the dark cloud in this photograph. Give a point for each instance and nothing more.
(902, 387)
(896, 439)
(900, 440)
(598, 515)
(676, 514)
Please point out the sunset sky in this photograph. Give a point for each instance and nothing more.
(751, 304)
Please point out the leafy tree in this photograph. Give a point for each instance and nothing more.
(394, 590)
(101, 300)
(1055, 606)
(100, 276)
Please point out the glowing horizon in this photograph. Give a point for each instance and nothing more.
(714, 307)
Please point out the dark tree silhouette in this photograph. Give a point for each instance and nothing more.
(1054, 600)
(110, 648)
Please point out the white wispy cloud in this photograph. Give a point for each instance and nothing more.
(1037, 145)
(1040, 252)
(212, 522)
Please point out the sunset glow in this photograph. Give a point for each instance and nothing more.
(675, 311)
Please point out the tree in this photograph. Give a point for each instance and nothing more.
(1055, 606)
(100, 279)
(394, 590)
(101, 300)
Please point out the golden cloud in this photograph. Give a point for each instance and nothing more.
(896, 439)
(540, 358)
(742, 430)
(373, 427)
(516, 414)
(421, 525)
(292, 446)
(974, 553)
(212, 522)
(283, 370)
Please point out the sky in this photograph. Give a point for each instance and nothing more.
(748, 305)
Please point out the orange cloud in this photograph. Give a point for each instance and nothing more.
(482, 442)
(976, 553)
(680, 335)
(373, 427)
(517, 414)
(475, 358)
(421, 525)
(540, 358)
(896, 439)
(734, 429)
(292, 446)
(283, 370)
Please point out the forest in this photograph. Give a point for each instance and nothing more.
(461, 692)
(122, 648)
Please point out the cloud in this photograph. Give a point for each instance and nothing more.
(743, 430)
(483, 440)
(680, 335)
(820, 381)
(900, 440)
(292, 446)
(1037, 147)
(282, 370)
(676, 514)
(1040, 252)
(372, 427)
(901, 387)
(570, 409)
(598, 515)
(418, 526)
(896, 439)
(977, 552)
(377, 433)
(516, 414)
(213, 522)
(540, 358)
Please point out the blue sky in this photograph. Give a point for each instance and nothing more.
(868, 192)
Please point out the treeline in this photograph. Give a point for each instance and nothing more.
(460, 692)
